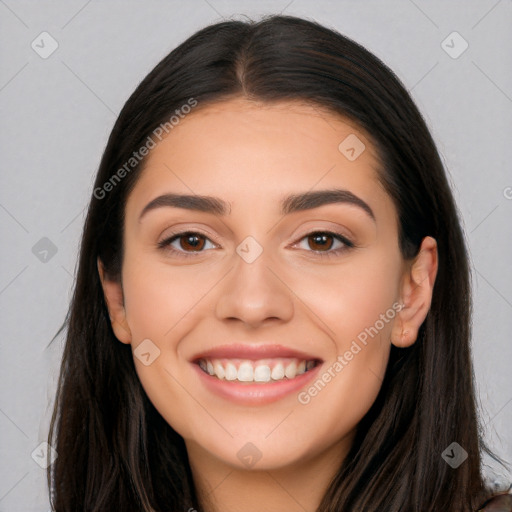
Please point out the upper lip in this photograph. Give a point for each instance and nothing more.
(252, 352)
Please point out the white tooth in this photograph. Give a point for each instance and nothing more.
(231, 372)
(202, 364)
(277, 372)
(291, 370)
(301, 368)
(209, 367)
(219, 370)
(310, 364)
(245, 372)
(262, 373)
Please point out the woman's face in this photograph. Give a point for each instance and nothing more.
(286, 285)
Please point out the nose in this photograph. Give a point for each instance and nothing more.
(254, 293)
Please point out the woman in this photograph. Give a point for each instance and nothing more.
(272, 305)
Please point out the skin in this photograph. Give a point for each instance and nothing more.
(252, 155)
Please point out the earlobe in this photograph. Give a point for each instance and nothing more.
(417, 289)
(113, 294)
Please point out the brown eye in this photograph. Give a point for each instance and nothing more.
(191, 242)
(320, 241)
(186, 243)
(325, 243)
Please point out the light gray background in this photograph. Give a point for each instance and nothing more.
(57, 113)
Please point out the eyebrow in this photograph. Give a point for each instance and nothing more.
(290, 204)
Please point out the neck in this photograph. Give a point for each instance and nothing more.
(298, 487)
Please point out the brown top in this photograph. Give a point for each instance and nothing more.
(499, 503)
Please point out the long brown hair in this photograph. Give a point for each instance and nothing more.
(115, 451)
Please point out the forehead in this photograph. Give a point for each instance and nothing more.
(243, 150)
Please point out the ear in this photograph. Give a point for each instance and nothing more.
(113, 293)
(416, 292)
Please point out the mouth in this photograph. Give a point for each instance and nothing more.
(249, 374)
(256, 371)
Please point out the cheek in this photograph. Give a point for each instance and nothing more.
(357, 305)
(158, 298)
(351, 299)
(359, 312)
(162, 305)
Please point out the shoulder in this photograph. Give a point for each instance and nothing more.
(499, 503)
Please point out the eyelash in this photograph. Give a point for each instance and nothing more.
(347, 244)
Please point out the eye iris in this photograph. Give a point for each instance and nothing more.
(321, 240)
(194, 242)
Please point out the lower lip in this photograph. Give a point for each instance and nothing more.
(260, 393)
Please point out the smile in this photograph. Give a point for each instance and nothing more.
(254, 374)
(251, 371)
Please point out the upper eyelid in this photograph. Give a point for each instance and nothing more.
(335, 228)
(346, 242)
(183, 232)
(175, 236)
(331, 231)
